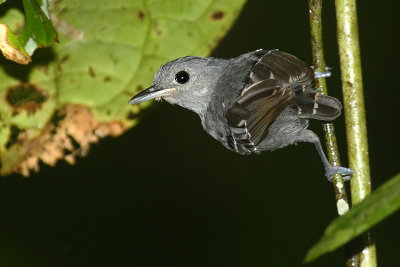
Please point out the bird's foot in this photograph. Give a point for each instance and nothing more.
(324, 74)
(347, 173)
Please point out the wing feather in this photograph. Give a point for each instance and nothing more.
(270, 91)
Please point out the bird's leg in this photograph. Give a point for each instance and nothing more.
(326, 73)
(330, 170)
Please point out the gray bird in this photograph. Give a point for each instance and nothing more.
(258, 101)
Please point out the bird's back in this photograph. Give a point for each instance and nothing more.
(263, 100)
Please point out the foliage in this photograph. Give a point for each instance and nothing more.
(37, 32)
(375, 208)
(77, 92)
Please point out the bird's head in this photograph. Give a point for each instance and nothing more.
(187, 81)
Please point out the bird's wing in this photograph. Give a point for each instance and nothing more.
(274, 82)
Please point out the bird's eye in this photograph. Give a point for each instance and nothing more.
(182, 77)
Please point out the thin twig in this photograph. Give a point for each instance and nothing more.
(342, 203)
(353, 98)
(330, 138)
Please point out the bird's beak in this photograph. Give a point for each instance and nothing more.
(150, 93)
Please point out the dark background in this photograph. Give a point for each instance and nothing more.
(167, 194)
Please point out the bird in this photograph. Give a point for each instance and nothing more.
(259, 101)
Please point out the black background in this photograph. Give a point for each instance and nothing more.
(167, 194)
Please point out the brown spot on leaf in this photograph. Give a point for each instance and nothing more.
(91, 72)
(14, 136)
(107, 79)
(217, 39)
(217, 15)
(62, 62)
(67, 135)
(25, 96)
(140, 15)
(157, 29)
(43, 68)
(131, 115)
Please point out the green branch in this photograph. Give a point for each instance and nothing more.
(349, 52)
(360, 252)
(330, 138)
(342, 203)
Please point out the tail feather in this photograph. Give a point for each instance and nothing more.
(318, 106)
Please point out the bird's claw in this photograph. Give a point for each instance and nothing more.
(347, 173)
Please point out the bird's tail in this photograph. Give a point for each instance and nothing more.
(315, 105)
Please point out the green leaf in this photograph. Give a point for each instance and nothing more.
(38, 32)
(376, 207)
(108, 51)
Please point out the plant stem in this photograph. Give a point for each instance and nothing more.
(349, 52)
(342, 203)
(330, 138)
